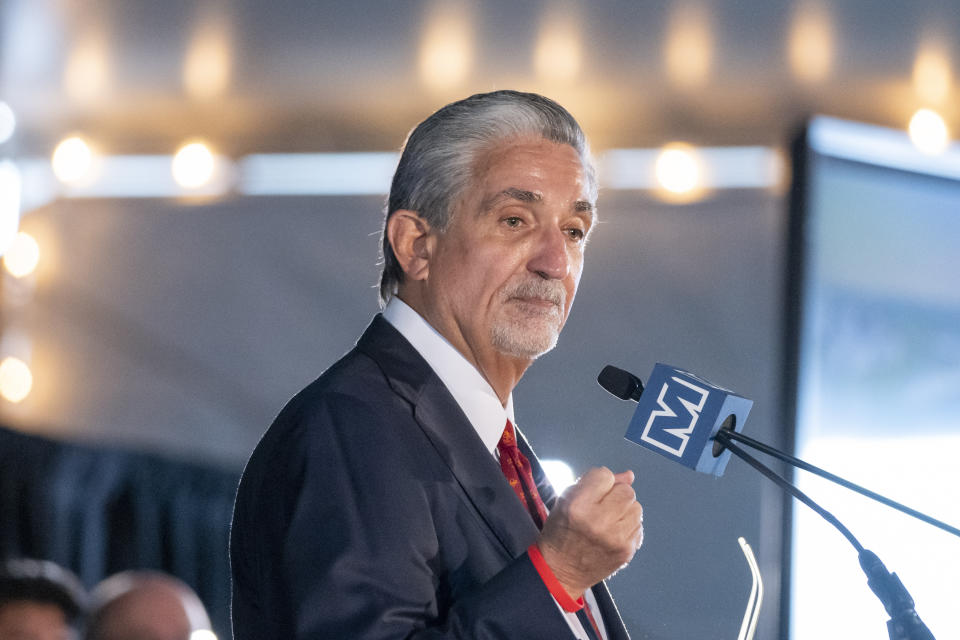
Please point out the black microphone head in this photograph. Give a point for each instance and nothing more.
(620, 383)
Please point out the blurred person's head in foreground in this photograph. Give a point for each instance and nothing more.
(39, 600)
(146, 605)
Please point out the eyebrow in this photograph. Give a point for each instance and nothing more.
(524, 195)
(511, 193)
(584, 206)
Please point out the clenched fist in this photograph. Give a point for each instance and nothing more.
(594, 529)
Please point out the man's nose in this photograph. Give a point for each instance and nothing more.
(550, 258)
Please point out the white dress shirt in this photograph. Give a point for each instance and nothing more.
(476, 398)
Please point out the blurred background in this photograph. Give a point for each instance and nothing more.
(190, 200)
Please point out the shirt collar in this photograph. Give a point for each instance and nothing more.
(472, 392)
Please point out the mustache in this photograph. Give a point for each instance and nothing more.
(538, 288)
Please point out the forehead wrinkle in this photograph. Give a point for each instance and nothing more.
(525, 195)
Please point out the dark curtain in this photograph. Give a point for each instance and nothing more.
(99, 511)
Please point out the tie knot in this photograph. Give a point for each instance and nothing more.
(509, 438)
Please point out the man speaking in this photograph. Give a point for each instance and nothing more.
(394, 497)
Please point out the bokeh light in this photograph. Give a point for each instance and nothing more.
(928, 132)
(9, 203)
(208, 64)
(688, 50)
(8, 122)
(931, 74)
(193, 165)
(87, 72)
(16, 379)
(23, 256)
(679, 170)
(559, 474)
(72, 160)
(558, 54)
(446, 51)
(811, 43)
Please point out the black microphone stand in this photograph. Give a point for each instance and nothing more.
(904, 623)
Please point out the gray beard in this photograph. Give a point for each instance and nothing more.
(515, 337)
(517, 341)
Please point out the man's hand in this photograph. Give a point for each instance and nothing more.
(594, 529)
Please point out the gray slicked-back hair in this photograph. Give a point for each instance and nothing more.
(439, 155)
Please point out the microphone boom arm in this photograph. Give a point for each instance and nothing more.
(725, 435)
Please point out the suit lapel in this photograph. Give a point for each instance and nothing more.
(452, 436)
(608, 610)
(475, 469)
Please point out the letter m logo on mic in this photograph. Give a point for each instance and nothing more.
(678, 415)
(668, 429)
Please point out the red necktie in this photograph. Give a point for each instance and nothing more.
(516, 468)
(519, 473)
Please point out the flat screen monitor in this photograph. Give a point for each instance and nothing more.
(874, 373)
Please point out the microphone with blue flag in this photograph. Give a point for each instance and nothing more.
(678, 414)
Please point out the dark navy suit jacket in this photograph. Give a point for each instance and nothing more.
(371, 510)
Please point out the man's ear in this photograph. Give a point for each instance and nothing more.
(412, 240)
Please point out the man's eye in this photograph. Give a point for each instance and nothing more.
(575, 234)
(513, 221)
